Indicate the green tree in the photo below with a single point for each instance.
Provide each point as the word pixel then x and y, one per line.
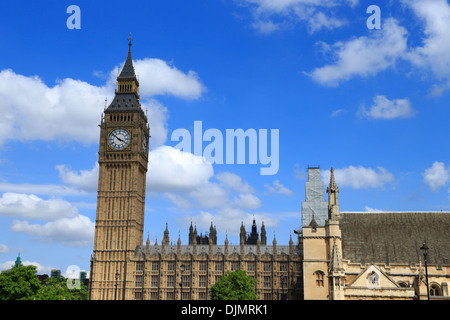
pixel 57 289
pixel 19 283
pixel 235 285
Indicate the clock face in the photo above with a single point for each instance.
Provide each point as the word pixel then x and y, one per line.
pixel 119 139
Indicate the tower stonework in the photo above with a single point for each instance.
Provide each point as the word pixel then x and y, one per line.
pixel 122 159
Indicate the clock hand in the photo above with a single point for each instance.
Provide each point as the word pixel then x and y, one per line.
pixel 118 138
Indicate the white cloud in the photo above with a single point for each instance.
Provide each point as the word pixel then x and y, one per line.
pixel 337 112
pixel 364 56
pixel 433 54
pixel 171 169
pixel 32 110
pixel 247 201
pixel 437 176
pixel 234 181
pixel 372 210
pixel 272 15
pixel 359 177
pixel 320 21
pixel 86 180
pixel 383 108
pixel 63 222
pixel 75 231
pixel 32 207
pixel 157 119
pixel 41 189
pixel 279 188
pixel 156 77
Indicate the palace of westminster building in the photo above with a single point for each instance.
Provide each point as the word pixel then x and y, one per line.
pixel 334 256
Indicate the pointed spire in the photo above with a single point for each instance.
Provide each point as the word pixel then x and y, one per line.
pixel 336 260
pixel 128 69
pixel 332 186
pixel 333 190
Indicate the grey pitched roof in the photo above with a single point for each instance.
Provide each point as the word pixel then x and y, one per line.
pixel 124 102
pixel 395 237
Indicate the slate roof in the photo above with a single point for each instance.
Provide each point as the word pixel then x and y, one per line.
pixel 395 237
pixel 124 102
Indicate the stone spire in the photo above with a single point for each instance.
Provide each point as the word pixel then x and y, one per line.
pixel 333 205
pixel 263 234
pixel 336 265
pixel 336 273
pixel 242 234
pixel 165 239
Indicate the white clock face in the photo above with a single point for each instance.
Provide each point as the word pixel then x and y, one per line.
pixel 119 139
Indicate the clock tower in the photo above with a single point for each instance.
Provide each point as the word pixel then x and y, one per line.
pixel 122 159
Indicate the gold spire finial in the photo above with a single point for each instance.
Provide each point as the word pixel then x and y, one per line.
pixel 129 39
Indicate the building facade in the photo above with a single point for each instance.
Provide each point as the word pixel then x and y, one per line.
pixel 335 256
pixel 373 255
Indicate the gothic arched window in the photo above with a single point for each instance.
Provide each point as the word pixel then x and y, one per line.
pixel 435 290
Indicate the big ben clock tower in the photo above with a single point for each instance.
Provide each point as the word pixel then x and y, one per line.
pixel 123 159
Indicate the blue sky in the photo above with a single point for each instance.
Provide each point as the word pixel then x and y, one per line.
pixel 371 103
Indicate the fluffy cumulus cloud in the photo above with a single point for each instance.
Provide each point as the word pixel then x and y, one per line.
pixel 61 220
pixel 172 169
pixel 75 231
pixel 359 177
pixel 85 180
pixel 380 50
pixel 438 175
pixel 433 53
pixel 32 110
pixel 157 77
pixel 383 108
pixel 27 206
pixel 365 55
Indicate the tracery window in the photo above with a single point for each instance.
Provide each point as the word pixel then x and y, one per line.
pixel 434 290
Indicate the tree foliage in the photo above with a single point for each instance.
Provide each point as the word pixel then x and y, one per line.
pixel 21 283
pixel 236 285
